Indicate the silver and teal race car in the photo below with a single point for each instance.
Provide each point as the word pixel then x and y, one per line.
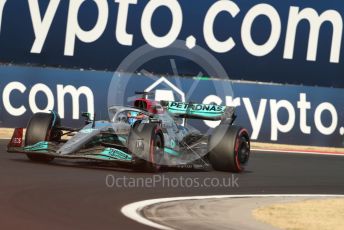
pixel 148 136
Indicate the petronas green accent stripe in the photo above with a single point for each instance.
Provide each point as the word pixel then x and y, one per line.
pixel 43 145
pixel 171 152
pixel 195 111
pixel 207 114
pixel 101 157
pixel 204 78
pixel 116 153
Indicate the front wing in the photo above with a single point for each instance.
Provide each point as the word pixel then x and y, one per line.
pixel 98 153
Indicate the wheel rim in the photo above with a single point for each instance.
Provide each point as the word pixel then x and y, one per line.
pixel 243 151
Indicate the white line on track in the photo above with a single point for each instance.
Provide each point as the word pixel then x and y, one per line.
pixel 134 210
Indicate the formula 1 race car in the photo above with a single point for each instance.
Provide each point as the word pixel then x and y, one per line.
pixel 147 136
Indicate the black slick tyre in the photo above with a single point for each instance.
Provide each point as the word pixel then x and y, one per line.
pixel 146 144
pixel 41 127
pixel 229 148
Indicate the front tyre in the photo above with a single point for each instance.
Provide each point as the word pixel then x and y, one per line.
pixel 229 148
pixel 146 143
pixel 41 127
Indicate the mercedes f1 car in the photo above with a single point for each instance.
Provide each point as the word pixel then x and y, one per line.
pixel 147 135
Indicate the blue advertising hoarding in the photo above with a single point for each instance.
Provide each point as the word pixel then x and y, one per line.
pixel 272 113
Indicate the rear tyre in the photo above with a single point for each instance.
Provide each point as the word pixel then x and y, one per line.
pixel 229 148
pixel 41 127
pixel 146 144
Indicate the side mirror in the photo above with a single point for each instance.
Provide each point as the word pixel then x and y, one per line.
pixel 87 117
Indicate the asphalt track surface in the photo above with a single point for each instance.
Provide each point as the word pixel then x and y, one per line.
pixel 65 195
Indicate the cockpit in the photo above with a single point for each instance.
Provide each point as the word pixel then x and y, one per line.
pixel 130 116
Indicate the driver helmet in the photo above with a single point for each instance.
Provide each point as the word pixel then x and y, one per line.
pixel 134 116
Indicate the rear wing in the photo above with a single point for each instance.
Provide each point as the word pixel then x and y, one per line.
pixel 211 112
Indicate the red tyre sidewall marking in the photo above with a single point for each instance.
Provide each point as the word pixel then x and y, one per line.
pixel 237 144
pixel 151 151
pixel 47 138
